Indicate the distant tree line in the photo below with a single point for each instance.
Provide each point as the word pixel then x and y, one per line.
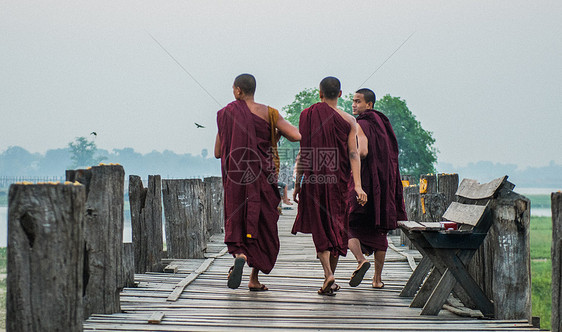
pixel 17 161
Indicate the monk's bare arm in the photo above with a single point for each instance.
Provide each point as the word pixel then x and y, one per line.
pixel 355 161
pixel 288 130
pixel 218 147
pixel 298 178
pixel 363 142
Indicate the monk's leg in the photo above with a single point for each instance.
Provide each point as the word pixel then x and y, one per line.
pixel 334 263
pixel 324 257
pixel 254 281
pixel 379 263
pixel 355 247
pixel 362 263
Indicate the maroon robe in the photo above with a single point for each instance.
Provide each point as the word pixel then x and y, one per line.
pixel 325 163
pixel 250 186
pixel 380 179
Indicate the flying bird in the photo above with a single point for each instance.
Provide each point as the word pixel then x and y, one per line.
pixel 198 125
pixel 94 133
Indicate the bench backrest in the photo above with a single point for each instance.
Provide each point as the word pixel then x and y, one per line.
pixel 471 206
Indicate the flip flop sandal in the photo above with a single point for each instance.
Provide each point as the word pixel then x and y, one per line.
pixel 235 273
pixel 335 287
pixel 262 288
pixel 358 274
pixel 328 292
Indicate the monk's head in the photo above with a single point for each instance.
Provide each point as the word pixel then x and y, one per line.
pixel 364 99
pixel 244 86
pixel 330 88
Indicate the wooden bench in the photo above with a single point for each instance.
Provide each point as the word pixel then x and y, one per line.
pixel 447 252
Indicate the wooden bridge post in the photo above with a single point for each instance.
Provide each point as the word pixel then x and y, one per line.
pixel 103 232
pixel 128 265
pixel 413 210
pixel 146 222
pixel 556 251
pixel 214 203
pixel 431 201
pixel 502 265
pixel 185 211
pixel 45 257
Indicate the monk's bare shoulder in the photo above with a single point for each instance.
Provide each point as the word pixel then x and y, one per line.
pixel 348 117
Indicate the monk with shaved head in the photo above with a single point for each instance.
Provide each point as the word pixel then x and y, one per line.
pixel 380 178
pixel 246 143
pixel 328 156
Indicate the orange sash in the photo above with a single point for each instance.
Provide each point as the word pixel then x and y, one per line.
pixel 273 117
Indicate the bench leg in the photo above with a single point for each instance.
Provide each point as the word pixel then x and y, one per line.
pixel 439 295
pixel 461 274
pixel 417 278
pixel 426 289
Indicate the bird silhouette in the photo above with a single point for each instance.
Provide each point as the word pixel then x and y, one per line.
pixel 198 125
pixel 94 133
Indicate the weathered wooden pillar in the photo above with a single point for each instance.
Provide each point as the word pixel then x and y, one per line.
pixel 146 222
pixel 128 265
pixel 185 211
pixel 431 201
pixel 556 251
pixel 103 232
pixel 412 203
pixel 502 265
pixel 45 257
pixel 447 185
pixel 407 180
pixel 215 205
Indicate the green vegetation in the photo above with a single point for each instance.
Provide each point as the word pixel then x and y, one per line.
pixel 541 268
pixel 3 269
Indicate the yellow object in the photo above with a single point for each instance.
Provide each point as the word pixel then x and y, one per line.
pixel 405 183
pixel 423 204
pixel 423 186
pixel 249 236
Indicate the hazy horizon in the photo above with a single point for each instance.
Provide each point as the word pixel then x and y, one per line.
pixel 484 77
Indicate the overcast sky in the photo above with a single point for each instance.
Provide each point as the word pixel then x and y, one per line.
pixel 484 76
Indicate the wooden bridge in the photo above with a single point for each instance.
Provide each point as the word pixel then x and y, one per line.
pixel 204 303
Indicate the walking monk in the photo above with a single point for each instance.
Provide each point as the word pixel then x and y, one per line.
pixel 380 178
pixel 327 156
pixel 245 143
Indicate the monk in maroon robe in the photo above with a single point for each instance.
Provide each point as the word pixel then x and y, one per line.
pixel 380 178
pixel 244 144
pixel 327 156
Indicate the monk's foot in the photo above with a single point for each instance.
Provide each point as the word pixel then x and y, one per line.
pixel 328 282
pixel 359 273
pixel 378 285
pixel 287 202
pixel 257 287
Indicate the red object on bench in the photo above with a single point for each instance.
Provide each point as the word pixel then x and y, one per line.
pixel 449 225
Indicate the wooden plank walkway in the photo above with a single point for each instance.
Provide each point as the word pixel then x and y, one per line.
pixel 206 304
